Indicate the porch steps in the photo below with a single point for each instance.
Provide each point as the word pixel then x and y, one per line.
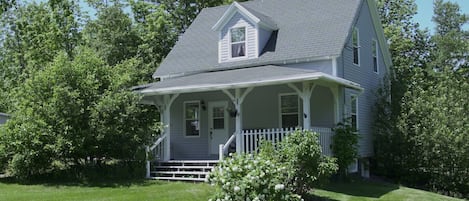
pixel 182 170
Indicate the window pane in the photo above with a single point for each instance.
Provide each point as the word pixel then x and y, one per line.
pixel 374 46
pixel 238 34
pixel 355 55
pixel 375 64
pixel 355 37
pixel 238 50
pixel 289 121
pixel 192 127
pixel 218 123
pixel 218 112
pixel 354 121
pixel 192 110
pixel 289 104
pixel 354 105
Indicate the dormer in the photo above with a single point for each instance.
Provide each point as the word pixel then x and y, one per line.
pixel 243 33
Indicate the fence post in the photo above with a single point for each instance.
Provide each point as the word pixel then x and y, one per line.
pixel 220 152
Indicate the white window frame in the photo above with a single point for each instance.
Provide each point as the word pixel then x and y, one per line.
pixel 374 55
pixel 356 46
pixel 280 108
pixel 184 119
pixel 231 43
pixel 354 97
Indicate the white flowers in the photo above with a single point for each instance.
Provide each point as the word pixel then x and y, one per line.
pixel 279 187
pixel 236 189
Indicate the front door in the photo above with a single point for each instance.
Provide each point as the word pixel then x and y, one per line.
pixel 218 125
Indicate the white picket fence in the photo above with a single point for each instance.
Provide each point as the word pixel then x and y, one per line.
pixel 250 139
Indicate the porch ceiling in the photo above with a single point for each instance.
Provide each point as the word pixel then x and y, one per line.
pixel 239 78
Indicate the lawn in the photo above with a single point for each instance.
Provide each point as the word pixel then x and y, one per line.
pixel 373 191
pixel 168 191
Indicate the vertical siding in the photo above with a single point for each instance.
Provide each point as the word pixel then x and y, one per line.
pixel 251 38
pixel 364 76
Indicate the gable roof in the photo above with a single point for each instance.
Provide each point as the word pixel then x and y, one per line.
pixel 323 35
pixel 252 15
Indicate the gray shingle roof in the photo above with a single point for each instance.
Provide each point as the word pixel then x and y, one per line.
pixel 236 78
pixel 306 29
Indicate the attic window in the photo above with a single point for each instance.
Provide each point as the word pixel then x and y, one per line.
pixel 238 42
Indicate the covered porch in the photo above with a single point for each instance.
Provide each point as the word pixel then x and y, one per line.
pixel 209 115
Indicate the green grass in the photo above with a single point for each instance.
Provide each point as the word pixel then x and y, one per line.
pixel 370 191
pixel 120 191
pixel 167 191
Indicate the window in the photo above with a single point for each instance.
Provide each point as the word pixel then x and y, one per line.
pixel 353 111
pixel 356 46
pixel 191 118
pixel 238 42
pixel 289 111
pixel 375 56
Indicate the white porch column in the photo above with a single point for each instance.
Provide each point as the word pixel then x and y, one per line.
pixel 237 100
pixel 305 95
pixel 165 117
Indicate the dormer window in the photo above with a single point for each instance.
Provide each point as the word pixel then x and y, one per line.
pixel 238 42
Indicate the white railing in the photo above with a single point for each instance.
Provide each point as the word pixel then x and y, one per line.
pixel 157 151
pixel 222 149
pixel 251 139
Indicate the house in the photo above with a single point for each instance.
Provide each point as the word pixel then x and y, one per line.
pixel 253 70
pixel 3 118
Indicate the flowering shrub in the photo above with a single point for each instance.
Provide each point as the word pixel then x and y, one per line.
pixel 251 177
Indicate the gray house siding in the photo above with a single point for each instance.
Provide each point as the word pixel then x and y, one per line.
pixel 260 111
pixel 324 66
pixel 364 75
pixel 251 37
pixel 3 118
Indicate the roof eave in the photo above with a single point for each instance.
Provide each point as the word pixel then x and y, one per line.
pixel 235 6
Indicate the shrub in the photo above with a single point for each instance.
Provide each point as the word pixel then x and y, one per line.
pixel 344 146
pixel 307 167
pixel 274 174
pixel 251 177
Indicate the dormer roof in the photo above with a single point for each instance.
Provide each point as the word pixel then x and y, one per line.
pixel 254 16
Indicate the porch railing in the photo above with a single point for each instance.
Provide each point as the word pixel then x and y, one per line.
pixel 156 150
pixel 222 149
pixel 250 139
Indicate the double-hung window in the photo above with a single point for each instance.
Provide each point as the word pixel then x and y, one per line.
pixel 375 55
pixel 356 46
pixel 354 112
pixel 238 42
pixel 289 110
pixel 192 118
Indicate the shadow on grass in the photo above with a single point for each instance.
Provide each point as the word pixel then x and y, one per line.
pixel 361 188
pixel 101 183
pixel 312 197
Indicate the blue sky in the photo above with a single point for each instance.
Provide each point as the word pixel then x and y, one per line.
pixel 425 13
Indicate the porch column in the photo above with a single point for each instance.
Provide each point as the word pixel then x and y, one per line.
pixel 305 95
pixel 237 100
pixel 335 93
pixel 165 117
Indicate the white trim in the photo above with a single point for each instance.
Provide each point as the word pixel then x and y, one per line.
pixel 334 66
pixel 358 46
pixel 380 34
pixel 184 119
pixel 236 7
pixel 230 43
pixel 5 115
pixel 375 43
pixel 247 84
pixel 280 107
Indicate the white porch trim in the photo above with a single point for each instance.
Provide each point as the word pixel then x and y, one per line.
pixel 305 95
pixel 164 106
pixel 238 99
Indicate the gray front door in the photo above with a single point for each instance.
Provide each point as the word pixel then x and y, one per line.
pixel 218 125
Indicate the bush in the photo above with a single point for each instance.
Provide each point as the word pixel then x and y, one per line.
pixel 274 174
pixel 301 153
pixel 344 146
pixel 251 177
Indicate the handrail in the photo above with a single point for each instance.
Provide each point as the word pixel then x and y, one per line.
pixel 230 140
pixel 158 142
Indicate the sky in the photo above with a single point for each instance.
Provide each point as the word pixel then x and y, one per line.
pixel 425 13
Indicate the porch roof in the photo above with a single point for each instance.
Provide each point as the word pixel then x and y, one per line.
pixel 239 78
